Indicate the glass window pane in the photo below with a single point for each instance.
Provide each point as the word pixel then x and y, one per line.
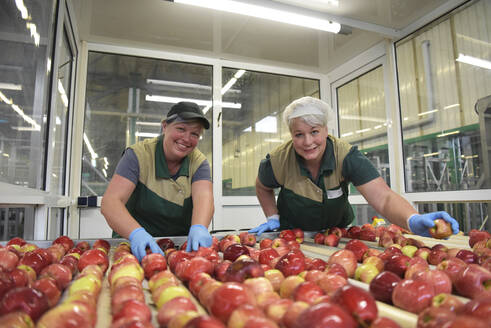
pixel 127 98
pixel 16 222
pixel 252 104
pixel 444 89
pixel 362 119
pixel 26 28
pixel 60 128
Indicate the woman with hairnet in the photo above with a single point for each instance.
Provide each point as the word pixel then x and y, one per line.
pixel 313 171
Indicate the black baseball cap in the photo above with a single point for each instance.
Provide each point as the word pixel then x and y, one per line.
pixel 186 110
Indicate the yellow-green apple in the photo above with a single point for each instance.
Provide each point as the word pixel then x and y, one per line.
pixel 173 307
pixel 376 261
pixel 409 250
pixel 67 315
pixel 275 277
pixel 258 285
pixel 365 272
pixel 130 269
pixel 422 252
pixel 170 293
pixel 277 309
pixel 89 283
pixel 266 298
pixel 161 278
pixel 289 284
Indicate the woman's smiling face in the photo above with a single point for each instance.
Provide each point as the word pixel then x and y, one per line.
pixel 180 138
pixel 309 141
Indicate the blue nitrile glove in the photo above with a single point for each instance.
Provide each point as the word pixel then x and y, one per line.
pixel 198 236
pixel 420 223
pixel 272 223
pixel 140 239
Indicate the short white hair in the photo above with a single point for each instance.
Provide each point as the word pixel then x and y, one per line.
pixel 311 110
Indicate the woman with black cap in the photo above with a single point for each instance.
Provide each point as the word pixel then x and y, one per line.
pixel 162 186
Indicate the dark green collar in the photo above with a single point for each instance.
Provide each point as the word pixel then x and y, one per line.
pixel 161 168
pixel 328 163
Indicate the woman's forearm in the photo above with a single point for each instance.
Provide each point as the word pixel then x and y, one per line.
pixel 266 199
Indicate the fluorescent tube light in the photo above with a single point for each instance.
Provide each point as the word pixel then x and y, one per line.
pixel 347 134
pixel 148 123
pixel 242 8
pixel 10 86
pixel 448 134
pixel 428 112
pixel 93 154
pixel 432 154
pixel 146 134
pixel 199 102
pixel 474 61
pixel 451 106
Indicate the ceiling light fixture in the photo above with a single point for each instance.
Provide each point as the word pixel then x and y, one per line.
pixel 199 102
pixel 10 86
pixel 259 11
pixel 474 61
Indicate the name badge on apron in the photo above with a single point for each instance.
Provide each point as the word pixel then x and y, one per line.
pixel 334 193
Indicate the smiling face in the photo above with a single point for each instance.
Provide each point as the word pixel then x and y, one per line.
pixel 309 141
pixel 180 138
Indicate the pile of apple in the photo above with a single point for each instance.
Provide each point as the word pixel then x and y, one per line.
pixel 401 274
pixel 273 286
pixel 32 279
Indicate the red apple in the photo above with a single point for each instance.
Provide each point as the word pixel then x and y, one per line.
pixel 336 268
pixel 368 235
pixel 176 257
pixel 234 251
pixel 413 295
pixel 353 232
pixel 65 241
pixel 467 256
pixel 242 269
pixel 358 302
pixel 26 299
pixel 220 269
pixel 291 264
pixel 397 263
pixel 325 315
pixel 438 279
pixel 434 317
pixel 478 307
pixel 316 264
pixel 357 247
pixel 330 240
pixel 56 251
pixel 124 294
pixel 267 254
pixel 279 242
pixel 466 321
pixel 16 241
pixel 30 273
pixel 346 258
pixel 198 281
pixel 383 322
pixel 34 260
pixel 68 314
pixel 330 283
pixel 414 269
pixel 165 243
pixel 265 243
pixel 247 238
pixel 447 301
pixel 206 292
pixel 319 238
pixel 477 235
pixel 287 235
pixel 70 262
pixel 242 313
pixel 452 267
pixel 8 259
pixel 153 263
pixel 6 283
pixel 473 280
pixel 83 245
pixel 209 253
pixel 299 235
pixel 101 243
pixel 204 321
pixel 292 313
pixel 19 278
pixel 93 256
pixel 60 273
pixel 386 239
pixel 228 297
pixel 49 288
pixel 308 292
pixel 442 229
pixel 382 285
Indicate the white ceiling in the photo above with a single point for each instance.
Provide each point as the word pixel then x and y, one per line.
pixel 160 24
